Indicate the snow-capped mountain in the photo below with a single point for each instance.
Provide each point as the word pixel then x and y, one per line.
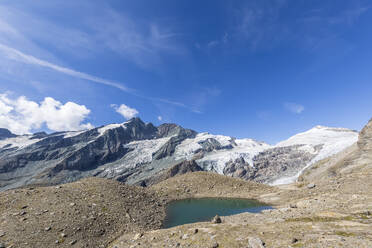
pixel 135 152
pixel 329 140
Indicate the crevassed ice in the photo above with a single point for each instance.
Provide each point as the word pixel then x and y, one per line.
pixel 216 160
pixel 19 141
pixel 189 146
pixel 245 148
pixel 141 153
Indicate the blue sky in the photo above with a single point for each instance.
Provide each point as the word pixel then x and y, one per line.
pixel 259 69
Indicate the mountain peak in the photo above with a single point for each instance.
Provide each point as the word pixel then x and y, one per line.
pixel 135 120
pixel 5 133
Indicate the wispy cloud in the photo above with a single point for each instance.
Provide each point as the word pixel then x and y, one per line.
pixel 349 16
pixel 294 107
pixel 140 42
pixel 145 44
pixel 19 56
pixel 258 24
pixel 202 97
pixel 263 24
pixel 213 43
pixel 218 42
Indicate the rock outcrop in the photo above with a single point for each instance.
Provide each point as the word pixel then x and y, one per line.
pixel 5 134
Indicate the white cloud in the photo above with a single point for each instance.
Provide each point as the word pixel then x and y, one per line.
pixel 294 107
pixel 126 111
pixel 21 115
pixel 160 118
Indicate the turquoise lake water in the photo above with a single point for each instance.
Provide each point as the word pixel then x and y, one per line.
pixel 204 209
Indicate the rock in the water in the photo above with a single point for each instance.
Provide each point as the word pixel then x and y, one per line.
pixel 311 186
pixel 255 242
pixel 216 219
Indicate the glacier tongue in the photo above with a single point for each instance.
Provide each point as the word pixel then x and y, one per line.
pixel 332 140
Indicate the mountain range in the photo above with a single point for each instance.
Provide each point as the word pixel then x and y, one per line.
pixel 140 153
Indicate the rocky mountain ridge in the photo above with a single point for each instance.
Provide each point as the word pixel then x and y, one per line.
pixel 135 152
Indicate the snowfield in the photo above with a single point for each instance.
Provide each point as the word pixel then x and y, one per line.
pixel 18 142
pixel 333 140
pixel 103 129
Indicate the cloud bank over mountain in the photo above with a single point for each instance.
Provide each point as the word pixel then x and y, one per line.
pixel 21 115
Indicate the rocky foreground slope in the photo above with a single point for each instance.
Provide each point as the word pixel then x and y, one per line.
pixel 94 212
pixel 139 153
pixel 88 213
pixel 330 207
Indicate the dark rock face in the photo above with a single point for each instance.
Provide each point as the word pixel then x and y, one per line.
pixel 59 158
pixel 167 130
pixel 106 148
pixel 183 168
pixel 212 144
pixel 5 134
pixel 178 169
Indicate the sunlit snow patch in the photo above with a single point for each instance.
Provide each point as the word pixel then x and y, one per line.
pixel 333 140
pixel 19 142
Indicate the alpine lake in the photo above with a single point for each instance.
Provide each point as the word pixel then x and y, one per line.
pixel 204 209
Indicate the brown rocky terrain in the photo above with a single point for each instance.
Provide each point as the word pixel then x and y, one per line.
pixel 88 213
pixel 94 212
